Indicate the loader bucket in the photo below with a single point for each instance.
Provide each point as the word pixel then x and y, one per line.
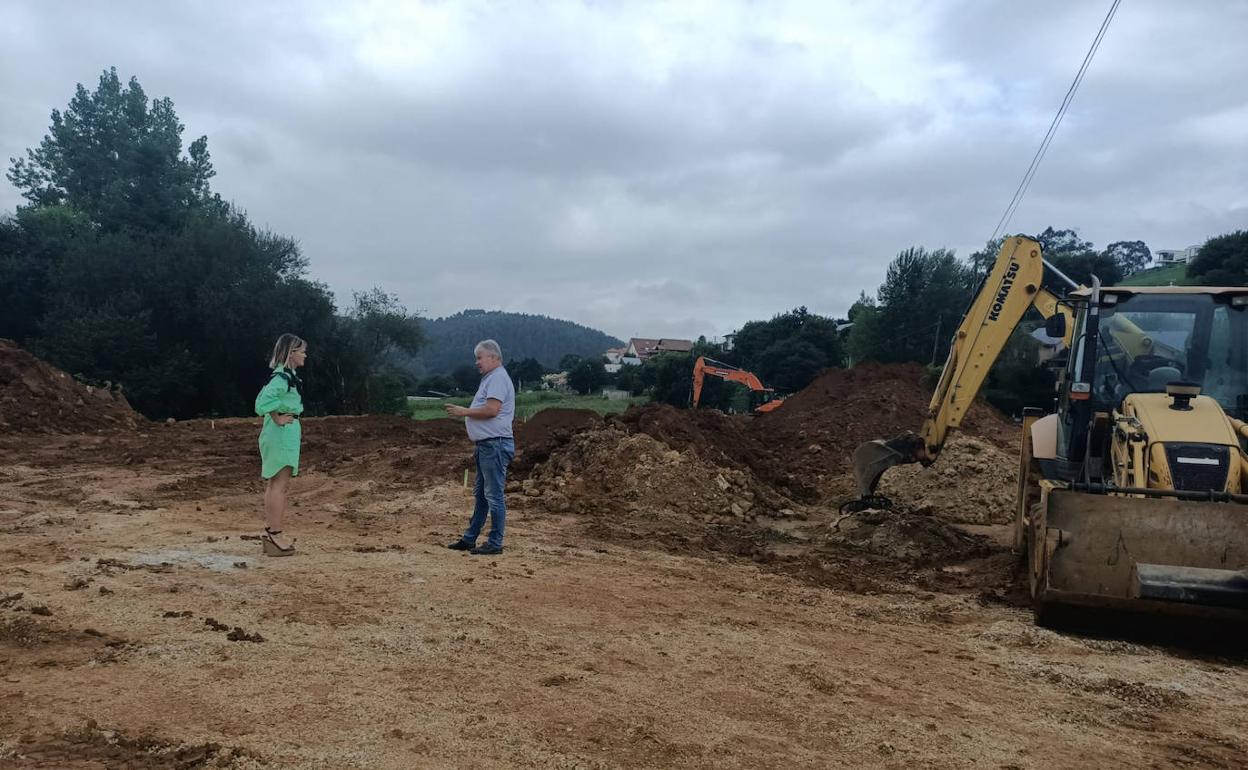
pixel 1151 555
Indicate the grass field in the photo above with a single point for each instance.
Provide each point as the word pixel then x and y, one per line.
pixel 1160 276
pixel 529 404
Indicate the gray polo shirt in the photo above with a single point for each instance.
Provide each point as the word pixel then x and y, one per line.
pixel 497 385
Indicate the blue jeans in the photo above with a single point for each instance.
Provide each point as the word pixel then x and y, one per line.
pixel 492 457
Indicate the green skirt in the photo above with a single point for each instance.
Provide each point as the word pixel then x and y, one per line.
pixel 279 447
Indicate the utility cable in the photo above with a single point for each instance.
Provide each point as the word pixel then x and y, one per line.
pixel 1030 174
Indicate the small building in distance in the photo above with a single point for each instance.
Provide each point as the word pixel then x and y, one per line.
pixel 1168 257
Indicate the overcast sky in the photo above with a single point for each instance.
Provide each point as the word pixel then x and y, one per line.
pixel 666 169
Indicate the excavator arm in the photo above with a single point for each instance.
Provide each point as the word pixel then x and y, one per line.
pixel 704 366
pixel 1014 285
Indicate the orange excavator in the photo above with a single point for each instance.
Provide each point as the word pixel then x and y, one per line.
pixel 708 366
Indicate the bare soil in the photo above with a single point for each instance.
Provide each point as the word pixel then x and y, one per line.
pixel 669 597
pixel 38 398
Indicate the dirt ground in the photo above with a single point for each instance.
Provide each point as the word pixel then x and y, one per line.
pixel 678 590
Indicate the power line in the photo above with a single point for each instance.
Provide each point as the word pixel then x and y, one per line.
pixel 1030 174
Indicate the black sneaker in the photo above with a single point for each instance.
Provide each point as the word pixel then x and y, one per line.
pixel 462 545
pixel 487 550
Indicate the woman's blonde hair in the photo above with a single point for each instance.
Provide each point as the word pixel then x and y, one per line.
pixel 286 344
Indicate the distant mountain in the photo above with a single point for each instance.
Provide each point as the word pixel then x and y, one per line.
pixel 520 335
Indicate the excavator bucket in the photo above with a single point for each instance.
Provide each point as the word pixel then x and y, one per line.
pixel 872 459
pixel 1155 555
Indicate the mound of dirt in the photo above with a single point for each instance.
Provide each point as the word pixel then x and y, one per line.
pixel 611 472
pixel 972 482
pixel 816 431
pixel 545 432
pixel 731 441
pixel 36 397
pixel 905 537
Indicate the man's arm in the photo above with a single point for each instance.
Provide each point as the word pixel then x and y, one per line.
pixel 491 408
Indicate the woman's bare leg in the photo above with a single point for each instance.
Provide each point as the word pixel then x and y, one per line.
pixel 275 505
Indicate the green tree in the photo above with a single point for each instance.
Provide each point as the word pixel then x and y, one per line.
pixel 438 383
pixel 359 376
pixel 124 266
pixel 526 373
pixel 630 378
pixel 917 309
pixel 587 376
pixel 792 364
pixel 671 375
pixel 569 362
pixel 982 261
pixel 769 348
pixel 117 157
pixel 1078 259
pixel 466 378
pixel 1130 256
pixel 1222 260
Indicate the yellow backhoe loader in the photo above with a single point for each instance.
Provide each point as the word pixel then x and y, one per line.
pixel 1131 495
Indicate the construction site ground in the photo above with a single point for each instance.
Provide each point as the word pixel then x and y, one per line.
pixel 678 590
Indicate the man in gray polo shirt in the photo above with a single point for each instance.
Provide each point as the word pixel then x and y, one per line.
pixel 488 420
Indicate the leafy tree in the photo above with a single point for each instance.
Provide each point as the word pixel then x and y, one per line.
pixel 124 266
pixel 1130 256
pixel 569 362
pixel 982 261
pixel 359 378
pixel 33 243
pixel 671 375
pixel 439 383
pixel 587 376
pixel 767 348
pixel 630 378
pixel 466 378
pixel 526 372
pixel 792 364
pixel 918 306
pixel 1222 260
pixel 862 304
pixel 117 157
pixel 1077 258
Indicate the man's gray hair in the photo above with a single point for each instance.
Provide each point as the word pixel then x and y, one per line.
pixel 490 348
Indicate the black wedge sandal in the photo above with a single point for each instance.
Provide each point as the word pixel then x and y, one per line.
pixel 271 548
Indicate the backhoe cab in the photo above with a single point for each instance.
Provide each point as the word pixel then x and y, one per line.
pixel 1131 494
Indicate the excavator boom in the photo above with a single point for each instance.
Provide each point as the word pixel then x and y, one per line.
pixel 1014 285
pixel 709 366
pixel 1130 496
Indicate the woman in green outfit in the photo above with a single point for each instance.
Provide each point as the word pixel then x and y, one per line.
pixel 281 403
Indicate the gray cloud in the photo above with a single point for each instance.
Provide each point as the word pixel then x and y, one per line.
pixel 664 169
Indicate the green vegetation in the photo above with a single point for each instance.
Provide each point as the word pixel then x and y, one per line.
pixel 1160 276
pixel 125 266
pixel 787 352
pixel 1222 261
pixel 520 335
pixel 529 404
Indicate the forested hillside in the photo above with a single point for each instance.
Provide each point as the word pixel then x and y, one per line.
pixel 451 339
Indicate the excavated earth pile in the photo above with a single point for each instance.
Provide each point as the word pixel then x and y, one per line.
pixel 766 487
pixel 544 432
pixel 609 472
pixel 36 397
pixel 816 431
pixel 972 482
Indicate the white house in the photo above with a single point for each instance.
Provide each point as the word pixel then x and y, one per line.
pixel 1167 257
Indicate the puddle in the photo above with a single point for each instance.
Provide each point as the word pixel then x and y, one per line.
pixel 220 562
